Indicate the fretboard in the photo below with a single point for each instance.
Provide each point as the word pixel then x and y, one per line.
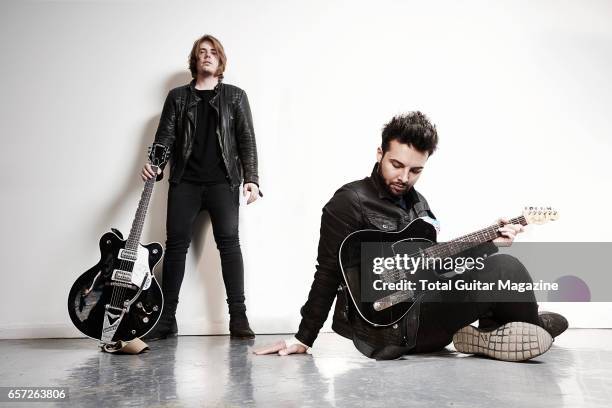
pixel 138 223
pixel 468 241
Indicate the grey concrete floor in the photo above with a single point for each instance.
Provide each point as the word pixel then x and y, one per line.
pixel 196 371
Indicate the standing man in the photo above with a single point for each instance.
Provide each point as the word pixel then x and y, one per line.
pixel 208 127
pixel 388 201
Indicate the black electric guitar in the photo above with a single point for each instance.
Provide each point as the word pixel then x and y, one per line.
pixel 372 291
pixel 119 298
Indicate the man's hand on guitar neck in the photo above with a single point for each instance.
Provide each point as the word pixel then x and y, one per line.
pixel 508 232
pixel 148 173
pixel 283 348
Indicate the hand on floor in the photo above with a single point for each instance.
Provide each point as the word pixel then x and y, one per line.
pixel 282 348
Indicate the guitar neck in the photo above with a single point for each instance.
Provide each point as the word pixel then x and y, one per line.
pixel 468 241
pixel 138 223
pixel 531 215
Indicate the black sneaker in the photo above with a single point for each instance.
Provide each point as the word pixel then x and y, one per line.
pixel 514 341
pixel 554 323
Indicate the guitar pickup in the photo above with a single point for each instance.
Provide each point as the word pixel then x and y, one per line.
pixel 394 299
pixel 127 255
pixel 122 276
pixel 382 305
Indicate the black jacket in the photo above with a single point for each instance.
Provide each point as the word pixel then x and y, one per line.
pixel 235 132
pixel 358 205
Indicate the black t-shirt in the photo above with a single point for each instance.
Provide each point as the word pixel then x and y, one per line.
pixel 205 165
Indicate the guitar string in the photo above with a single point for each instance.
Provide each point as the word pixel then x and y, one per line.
pixel 118 291
pixel 483 233
pixel 443 247
pixel 453 244
pixel 124 265
pixel 487 234
pixel 135 232
pixel 117 295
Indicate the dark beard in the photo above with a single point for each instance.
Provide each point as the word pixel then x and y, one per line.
pixel 387 188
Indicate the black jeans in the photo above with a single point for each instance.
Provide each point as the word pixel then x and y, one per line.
pixel 439 320
pixel 185 202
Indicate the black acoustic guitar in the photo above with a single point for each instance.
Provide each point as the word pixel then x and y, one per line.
pixel 119 298
pixel 383 295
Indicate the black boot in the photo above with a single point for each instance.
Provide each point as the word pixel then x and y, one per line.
pixel 165 327
pixel 239 326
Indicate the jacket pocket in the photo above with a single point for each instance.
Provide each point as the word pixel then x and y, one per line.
pixel 380 222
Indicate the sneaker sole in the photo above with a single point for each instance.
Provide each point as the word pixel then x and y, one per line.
pixel 514 341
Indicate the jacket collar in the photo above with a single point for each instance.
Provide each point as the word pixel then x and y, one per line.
pixel 410 196
pixel 194 96
pixel 217 87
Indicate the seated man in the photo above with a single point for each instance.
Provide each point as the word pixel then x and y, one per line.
pixel 388 201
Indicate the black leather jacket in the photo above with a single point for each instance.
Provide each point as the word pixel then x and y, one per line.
pixel 234 131
pixel 358 205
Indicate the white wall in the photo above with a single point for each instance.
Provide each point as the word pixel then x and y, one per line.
pixel 520 92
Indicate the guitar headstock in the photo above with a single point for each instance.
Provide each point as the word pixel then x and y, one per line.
pixel 540 215
pixel 158 154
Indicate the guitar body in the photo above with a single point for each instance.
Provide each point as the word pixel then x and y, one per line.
pixel 134 307
pixel 416 236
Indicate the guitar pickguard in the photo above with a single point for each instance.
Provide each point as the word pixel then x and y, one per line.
pixel 140 268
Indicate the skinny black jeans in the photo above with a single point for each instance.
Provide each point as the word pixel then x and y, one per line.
pixel 185 201
pixel 440 319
